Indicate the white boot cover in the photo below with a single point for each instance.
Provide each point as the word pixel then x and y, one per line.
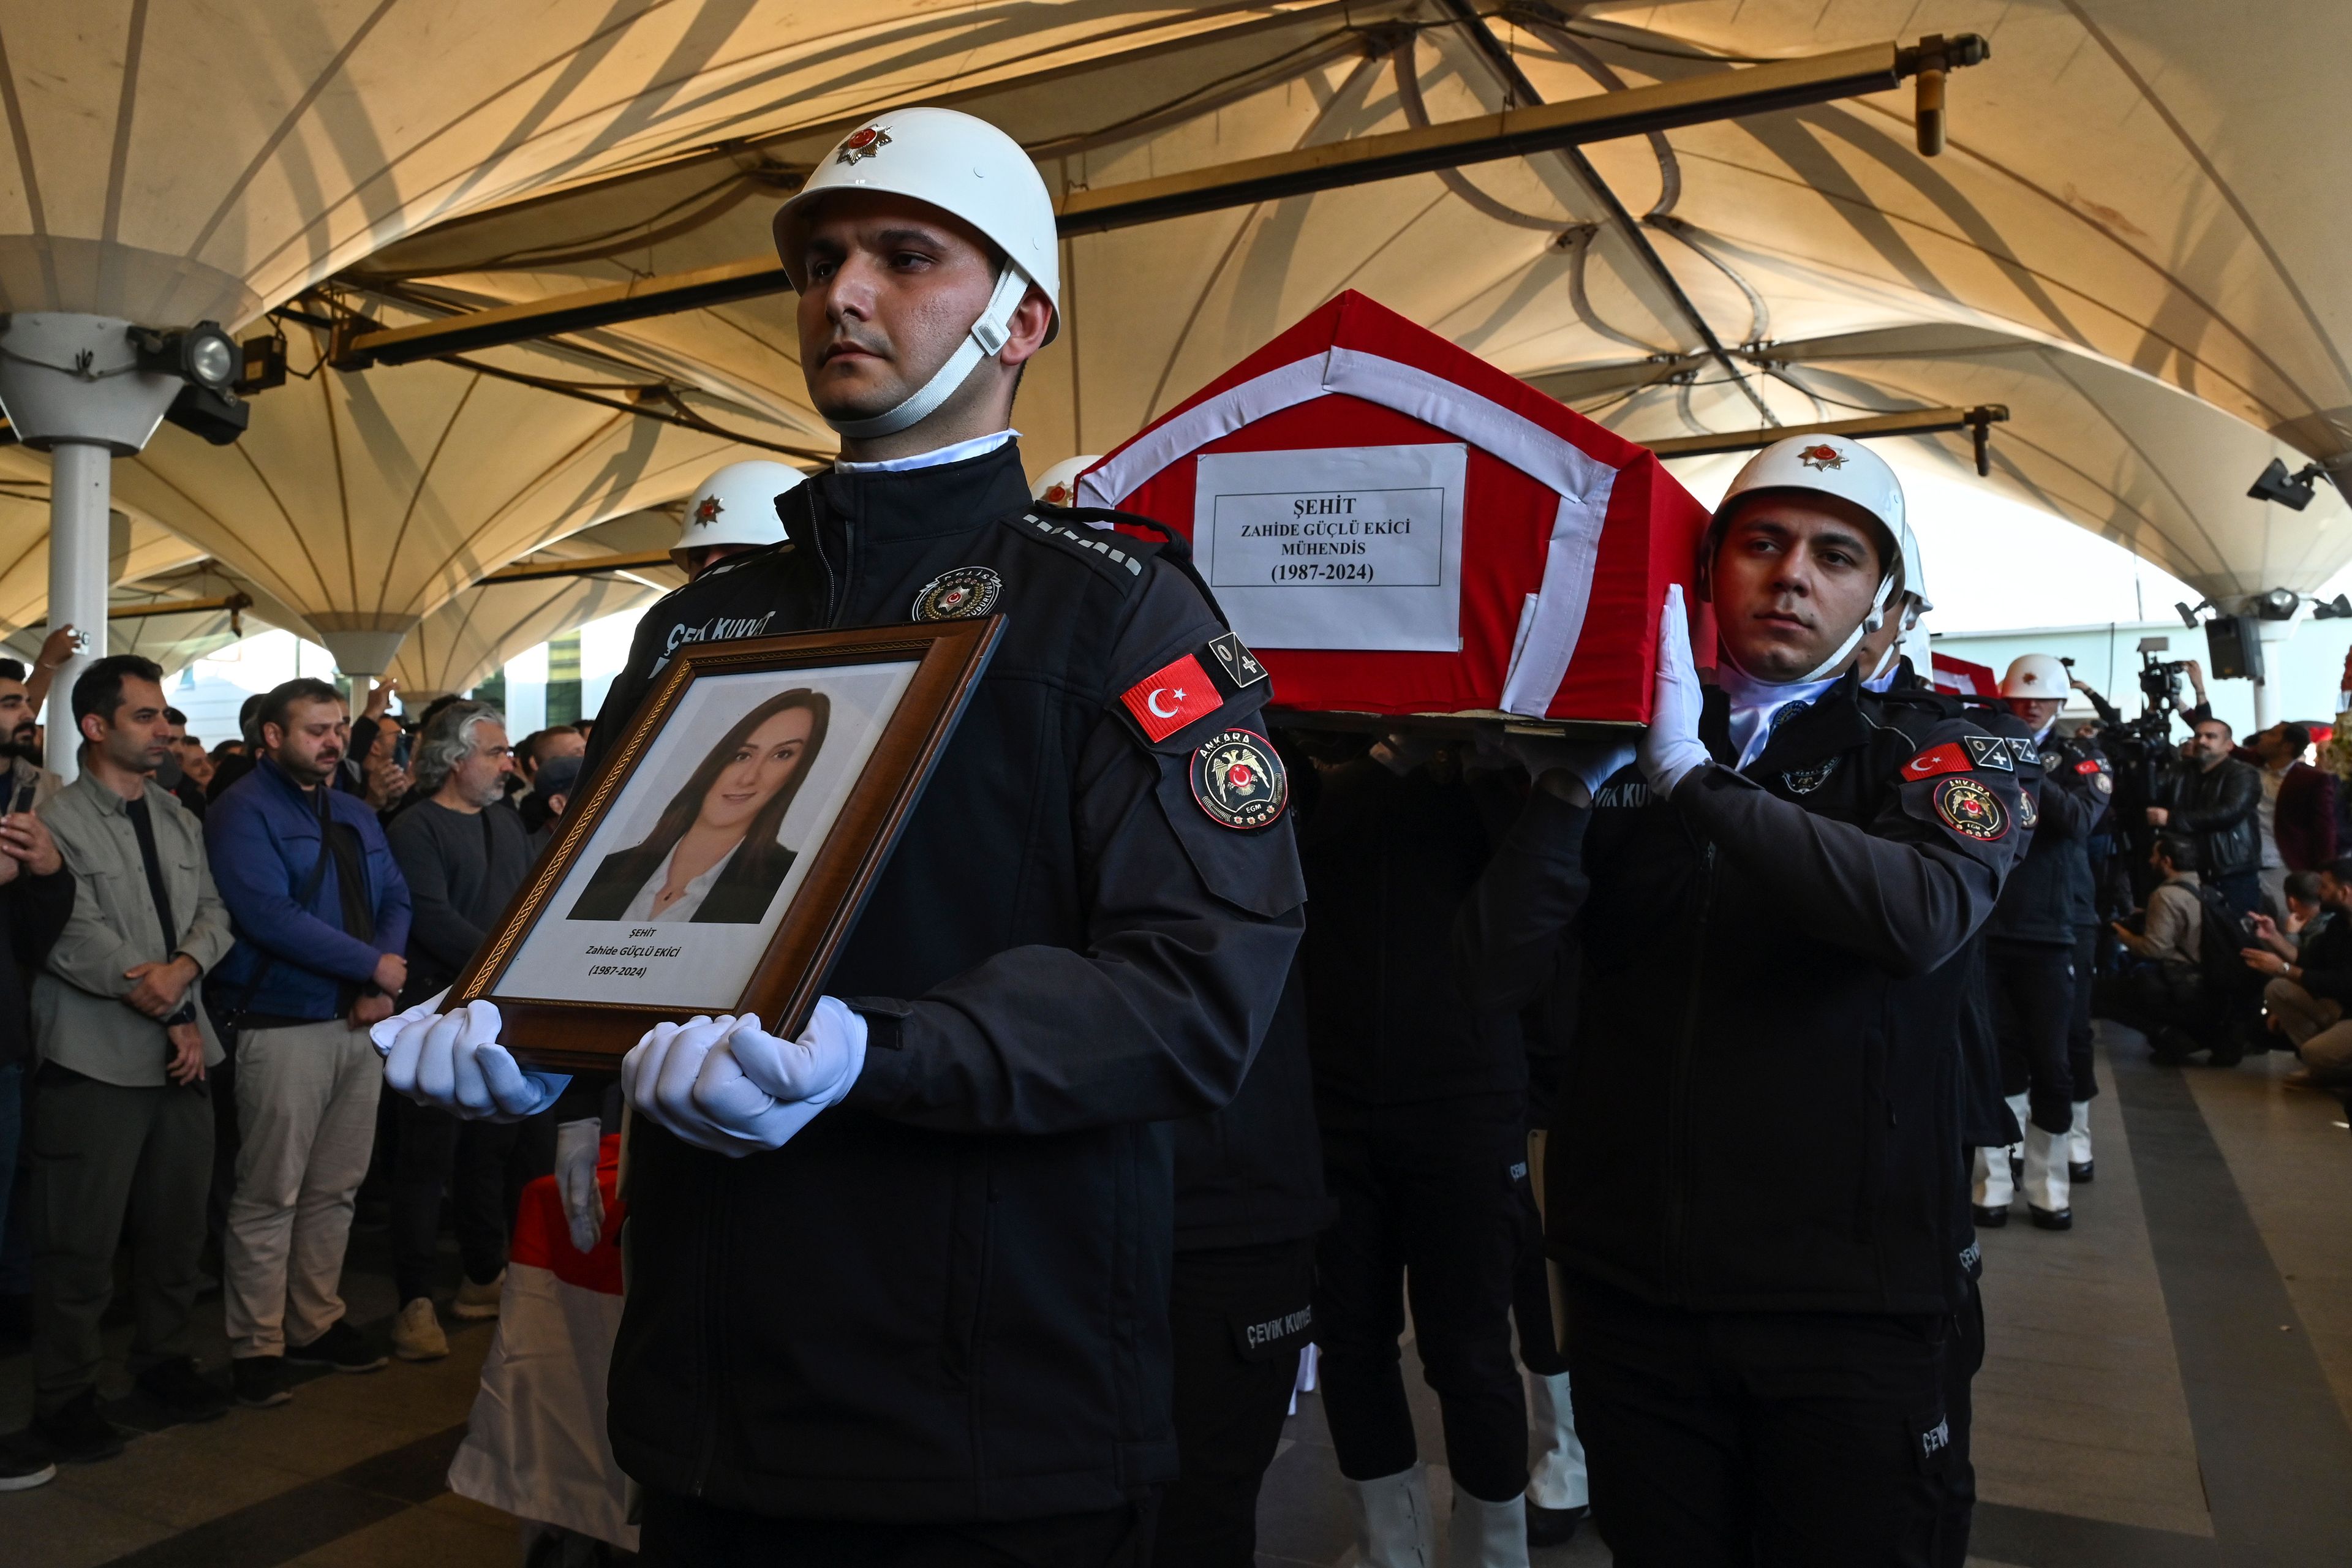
pixel 1394 1526
pixel 1558 1477
pixel 1484 1534
pixel 1993 1189
pixel 2046 1184
pixel 2078 1137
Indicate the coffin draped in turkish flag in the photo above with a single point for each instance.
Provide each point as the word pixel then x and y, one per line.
pixel 1398 528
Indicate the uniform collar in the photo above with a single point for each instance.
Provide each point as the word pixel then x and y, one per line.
pixel 979 445
pixel 879 506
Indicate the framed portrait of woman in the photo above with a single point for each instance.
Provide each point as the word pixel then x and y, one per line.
pixel 718 860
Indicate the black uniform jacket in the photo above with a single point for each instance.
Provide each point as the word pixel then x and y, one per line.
pixel 1389 859
pixel 946 1298
pixel 1759 1109
pixel 2046 894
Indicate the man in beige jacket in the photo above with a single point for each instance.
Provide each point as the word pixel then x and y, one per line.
pixel 122 1126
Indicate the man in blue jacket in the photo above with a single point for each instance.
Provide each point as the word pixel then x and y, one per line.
pixel 322 919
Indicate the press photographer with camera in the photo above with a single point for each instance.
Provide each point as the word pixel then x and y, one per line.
pixel 2218 800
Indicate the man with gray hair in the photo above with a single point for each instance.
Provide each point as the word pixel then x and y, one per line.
pixel 464 852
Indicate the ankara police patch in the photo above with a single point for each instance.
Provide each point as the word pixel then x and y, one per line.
pixel 1967 807
pixel 1990 752
pixel 965 594
pixel 1239 780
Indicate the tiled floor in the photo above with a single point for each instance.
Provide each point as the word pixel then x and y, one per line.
pixel 2170 1382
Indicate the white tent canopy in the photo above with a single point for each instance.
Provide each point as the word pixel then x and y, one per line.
pixel 2125 183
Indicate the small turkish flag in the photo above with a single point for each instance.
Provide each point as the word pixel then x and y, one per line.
pixel 1948 758
pixel 1170 698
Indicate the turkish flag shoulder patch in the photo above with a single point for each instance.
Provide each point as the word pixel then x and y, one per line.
pixel 1173 697
pixel 1936 760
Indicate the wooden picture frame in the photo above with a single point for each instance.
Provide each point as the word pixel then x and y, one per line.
pixel 560 1007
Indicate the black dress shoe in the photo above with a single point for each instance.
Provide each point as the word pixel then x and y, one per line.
pixel 260 1380
pixel 2043 1219
pixel 2078 1173
pixel 1553 1526
pixel 1990 1218
pixel 186 1394
pixel 341 1347
pixel 76 1433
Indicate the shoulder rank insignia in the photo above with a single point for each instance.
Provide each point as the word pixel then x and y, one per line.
pixel 1239 781
pixel 1970 809
pixel 1990 752
pixel 1240 665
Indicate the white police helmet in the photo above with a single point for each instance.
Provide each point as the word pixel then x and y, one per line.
pixel 737 505
pixel 2036 676
pixel 1058 486
pixel 963 166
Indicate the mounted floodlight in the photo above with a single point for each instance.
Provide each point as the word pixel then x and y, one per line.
pixel 2338 608
pixel 2188 615
pixel 2278 605
pixel 218 415
pixel 203 355
pixel 2292 491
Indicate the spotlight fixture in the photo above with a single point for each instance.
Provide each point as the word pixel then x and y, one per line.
pixel 2278 605
pixel 219 416
pixel 2292 491
pixel 2338 608
pixel 2188 615
pixel 203 355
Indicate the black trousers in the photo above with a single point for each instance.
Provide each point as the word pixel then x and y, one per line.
pixel 2033 986
pixel 1964 1353
pixel 686 1532
pixel 1761 1440
pixel 470 1159
pixel 2081 1082
pixel 1431 1208
pixel 1238 1316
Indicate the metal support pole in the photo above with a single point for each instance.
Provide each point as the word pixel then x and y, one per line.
pixel 80 486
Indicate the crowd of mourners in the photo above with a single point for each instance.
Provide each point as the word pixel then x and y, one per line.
pixel 2221 892
pixel 200 938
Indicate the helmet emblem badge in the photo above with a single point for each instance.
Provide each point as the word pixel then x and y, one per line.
pixel 1823 456
pixel 863 145
pixel 707 511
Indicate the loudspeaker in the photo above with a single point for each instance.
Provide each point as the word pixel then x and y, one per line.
pixel 2233 650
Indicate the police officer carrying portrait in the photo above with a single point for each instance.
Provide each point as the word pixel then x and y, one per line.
pixel 1756 1188
pixel 898 1287
pixel 2030 951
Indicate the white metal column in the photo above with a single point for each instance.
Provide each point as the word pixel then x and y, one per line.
pixel 79 491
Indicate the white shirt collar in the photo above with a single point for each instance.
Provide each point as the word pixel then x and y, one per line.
pixel 1758 707
pixel 931 459
pixel 689 903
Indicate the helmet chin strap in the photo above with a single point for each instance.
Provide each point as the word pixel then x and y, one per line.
pixel 1869 623
pixel 986 337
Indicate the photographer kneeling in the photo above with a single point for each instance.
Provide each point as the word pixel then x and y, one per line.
pixel 2190 993
pixel 2310 987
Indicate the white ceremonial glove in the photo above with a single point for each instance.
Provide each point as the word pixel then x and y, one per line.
pixel 727 1085
pixel 577 1146
pixel 454 1062
pixel 1671 750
